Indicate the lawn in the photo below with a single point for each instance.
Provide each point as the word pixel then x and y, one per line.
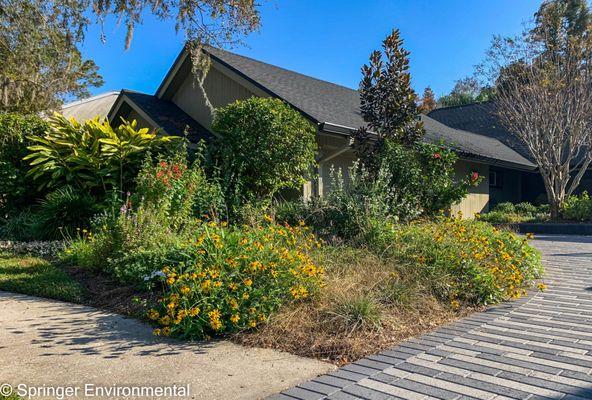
pixel 38 277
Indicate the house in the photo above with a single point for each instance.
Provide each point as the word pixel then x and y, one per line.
pixel 505 184
pixel 178 106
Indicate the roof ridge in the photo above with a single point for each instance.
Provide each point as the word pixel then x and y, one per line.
pixel 476 103
pixel 91 98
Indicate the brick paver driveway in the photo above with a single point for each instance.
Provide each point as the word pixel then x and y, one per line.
pixel 539 347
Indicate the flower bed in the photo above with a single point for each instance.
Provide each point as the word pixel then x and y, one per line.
pixel 233 279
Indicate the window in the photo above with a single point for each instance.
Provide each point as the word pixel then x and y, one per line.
pixel 496 179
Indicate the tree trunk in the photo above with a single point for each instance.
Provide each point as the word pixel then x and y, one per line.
pixel 555 208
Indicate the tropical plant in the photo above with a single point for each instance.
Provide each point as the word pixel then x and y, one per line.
pixel 92 156
pixel 16 189
pixel 262 146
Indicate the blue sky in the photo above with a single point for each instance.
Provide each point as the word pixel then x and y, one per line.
pixel 328 39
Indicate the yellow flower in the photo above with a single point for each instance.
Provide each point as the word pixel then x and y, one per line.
pixel 166 331
pixel 235 318
pixel 248 282
pixel 194 311
pixel 541 286
pixel 530 236
pixel 233 304
pixel 153 314
pixel 233 286
pixel 214 316
pixel 299 292
pixel 156 332
pixel 455 304
pixel 185 289
pixel 252 323
pixel 170 280
pixel 245 296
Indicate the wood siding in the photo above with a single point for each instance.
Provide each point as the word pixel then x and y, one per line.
pixel 221 90
pixel 477 201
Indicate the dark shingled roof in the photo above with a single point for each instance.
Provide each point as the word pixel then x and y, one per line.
pixel 479 118
pixel 321 100
pixel 168 116
pixel 472 145
pixel 326 102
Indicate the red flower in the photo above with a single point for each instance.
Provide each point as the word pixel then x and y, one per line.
pixel 474 176
pixel 163 164
pixel 437 156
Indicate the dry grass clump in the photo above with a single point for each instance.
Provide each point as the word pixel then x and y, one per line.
pixel 366 306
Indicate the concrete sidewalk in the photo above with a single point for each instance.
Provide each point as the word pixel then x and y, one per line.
pixel 46 342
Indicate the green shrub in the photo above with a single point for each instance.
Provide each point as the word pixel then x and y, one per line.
pixel 18 226
pixel 505 207
pixel 348 212
pixel 132 241
pixel 509 213
pixel 233 278
pixel 423 179
pixel 92 156
pixel 16 190
pixel 526 208
pixel 578 208
pixel 63 214
pixel 262 146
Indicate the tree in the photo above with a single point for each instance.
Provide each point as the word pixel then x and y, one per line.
pixel 387 102
pixel 544 93
pixel 420 176
pixel 466 91
pixel 262 146
pixel 428 101
pixel 16 190
pixel 40 65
